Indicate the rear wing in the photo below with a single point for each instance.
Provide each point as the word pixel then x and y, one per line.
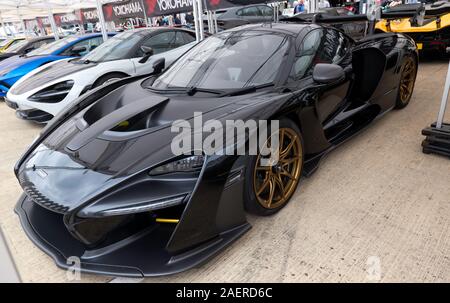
pixel 321 18
pixel 324 18
pixel 438 8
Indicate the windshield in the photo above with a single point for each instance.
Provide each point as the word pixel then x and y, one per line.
pixel 114 48
pixel 16 47
pixel 229 60
pixel 4 42
pixel 49 48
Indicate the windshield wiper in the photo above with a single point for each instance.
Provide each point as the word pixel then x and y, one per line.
pixel 193 90
pixel 221 93
pixel 245 90
pixel 189 91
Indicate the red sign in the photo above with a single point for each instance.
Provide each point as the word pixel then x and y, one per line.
pixel 66 19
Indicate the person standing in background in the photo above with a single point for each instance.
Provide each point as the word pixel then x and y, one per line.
pixel 324 4
pixel 189 18
pixel 176 20
pixel 299 7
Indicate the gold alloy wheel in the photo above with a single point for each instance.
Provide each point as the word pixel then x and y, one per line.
pixel 407 79
pixel 274 185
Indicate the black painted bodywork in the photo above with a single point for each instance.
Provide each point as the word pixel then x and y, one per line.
pixel 27 47
pixel 80 166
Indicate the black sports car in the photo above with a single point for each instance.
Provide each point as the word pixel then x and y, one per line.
pixel 102 183
pixel 25 46
pixel 241 15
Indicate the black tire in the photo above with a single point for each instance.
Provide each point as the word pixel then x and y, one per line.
pixel 403 98
pixel 108 77
pixel 251 202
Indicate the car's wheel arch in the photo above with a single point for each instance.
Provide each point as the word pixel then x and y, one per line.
pixel 108 74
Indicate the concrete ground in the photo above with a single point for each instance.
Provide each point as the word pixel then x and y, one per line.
pixel 376 210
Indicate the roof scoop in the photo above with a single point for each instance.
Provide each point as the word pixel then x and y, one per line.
pixel 103 117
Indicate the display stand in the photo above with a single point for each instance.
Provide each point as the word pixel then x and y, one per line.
pixel 438 134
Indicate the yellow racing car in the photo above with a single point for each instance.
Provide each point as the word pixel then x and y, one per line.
pixel 430 31
pixel 5 44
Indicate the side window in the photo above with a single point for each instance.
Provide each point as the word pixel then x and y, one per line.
pixel 38 44
pixel 249 12
pixel 183 38
pixel 160 43
pixel 306 56
pixel 319 46
pixel 89 44
pixel 266 11
pixel 335 45
pixel 15 42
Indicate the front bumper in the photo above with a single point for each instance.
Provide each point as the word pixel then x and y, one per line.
pixel 143 254
pixel 11 104
pixel 35 115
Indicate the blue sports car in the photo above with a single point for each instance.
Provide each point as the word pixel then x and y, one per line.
pixel 12 69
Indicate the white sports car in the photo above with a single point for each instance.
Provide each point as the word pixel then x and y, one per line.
pixel 48 90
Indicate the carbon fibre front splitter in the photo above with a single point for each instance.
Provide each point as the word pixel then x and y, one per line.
pixel 141 255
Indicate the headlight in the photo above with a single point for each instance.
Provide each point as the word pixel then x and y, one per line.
pixel 54 93
pixel 188 164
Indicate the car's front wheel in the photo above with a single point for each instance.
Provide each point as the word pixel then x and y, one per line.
pixel 270 187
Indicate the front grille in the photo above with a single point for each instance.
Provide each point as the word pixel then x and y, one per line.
pixel 39 198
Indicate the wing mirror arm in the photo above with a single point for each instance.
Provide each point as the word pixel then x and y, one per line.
pixel 148 52
pixel 158 66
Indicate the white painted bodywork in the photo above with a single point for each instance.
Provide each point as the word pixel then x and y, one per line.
pixel 87 77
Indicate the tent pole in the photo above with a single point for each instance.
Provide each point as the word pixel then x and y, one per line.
pixel 216 28
pixel 440 119
pixel 145 14
pixel 101 18
pixel 196 25
pixel 52 20
pixel 200 18
pixel 3 25
pixel 208 15
pixel 22 23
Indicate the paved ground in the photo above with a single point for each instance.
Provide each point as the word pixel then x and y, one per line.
pixel 376 205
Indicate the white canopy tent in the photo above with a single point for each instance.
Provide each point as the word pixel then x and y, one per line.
pixel 14 12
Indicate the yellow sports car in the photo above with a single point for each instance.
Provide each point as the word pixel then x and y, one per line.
pixel 4 45
pixel 431 34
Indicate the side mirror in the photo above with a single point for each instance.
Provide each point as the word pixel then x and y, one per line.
pixel 77 50
pixel 26 51
pixel 325 73
pixel 159 65
pixel 148 52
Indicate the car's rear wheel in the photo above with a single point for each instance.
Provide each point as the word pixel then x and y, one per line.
pixel 269 188
pixel 407 80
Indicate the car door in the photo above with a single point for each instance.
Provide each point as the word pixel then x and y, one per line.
pixel 250 14
pixel 266 13
pixel 182 38
pixel 324 45
pixel 88 44
pixel 39 43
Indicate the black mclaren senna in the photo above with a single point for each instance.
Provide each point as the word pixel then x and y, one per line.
pixel 101 183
